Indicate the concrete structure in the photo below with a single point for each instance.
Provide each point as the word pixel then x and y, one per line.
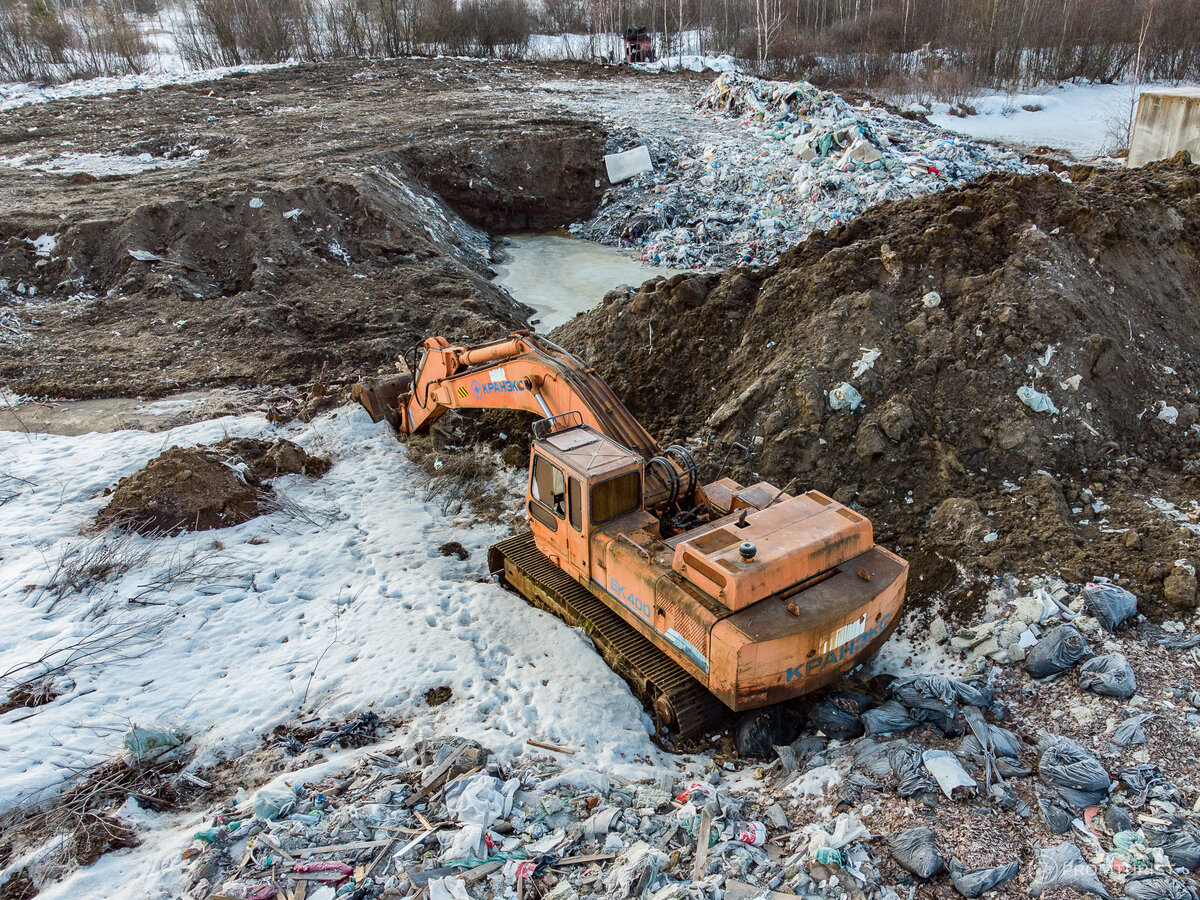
pixel 1167 121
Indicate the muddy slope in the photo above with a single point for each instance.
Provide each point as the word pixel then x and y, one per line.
pixel 1089 292
pixel 302 217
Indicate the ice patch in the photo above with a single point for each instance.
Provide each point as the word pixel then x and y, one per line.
pixel 98 165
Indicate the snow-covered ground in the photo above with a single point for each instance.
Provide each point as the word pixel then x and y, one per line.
pixel 1083 119
pixel 339 603
pixel 686 51
pixel 14 95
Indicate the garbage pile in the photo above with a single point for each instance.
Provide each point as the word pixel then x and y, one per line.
pixel 451 821
pixel 925 778
pixel 808 161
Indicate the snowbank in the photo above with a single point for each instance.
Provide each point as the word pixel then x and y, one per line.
pixel 15 95
pixel 1078 118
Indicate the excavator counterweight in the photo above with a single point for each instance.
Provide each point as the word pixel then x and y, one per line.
pixel 704 597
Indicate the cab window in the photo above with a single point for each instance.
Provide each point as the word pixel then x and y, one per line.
pixel 574 501
pixel 616 497
pixel 548 487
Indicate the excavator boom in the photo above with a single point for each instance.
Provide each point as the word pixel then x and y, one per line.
pixel 523 372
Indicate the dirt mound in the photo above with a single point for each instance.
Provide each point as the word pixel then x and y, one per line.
pixel 198 488
pixel 937 310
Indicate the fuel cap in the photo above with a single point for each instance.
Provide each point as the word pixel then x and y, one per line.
pixel 747 550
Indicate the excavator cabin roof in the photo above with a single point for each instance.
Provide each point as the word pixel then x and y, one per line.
pixel 587 451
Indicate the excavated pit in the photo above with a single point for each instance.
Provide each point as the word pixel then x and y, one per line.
pixel 1086 291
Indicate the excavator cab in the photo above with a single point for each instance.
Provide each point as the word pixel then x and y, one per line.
pixel 578 480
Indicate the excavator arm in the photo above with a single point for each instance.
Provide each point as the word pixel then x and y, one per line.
pixel 523 372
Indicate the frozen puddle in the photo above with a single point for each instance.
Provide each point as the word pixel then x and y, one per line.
pixel 561 276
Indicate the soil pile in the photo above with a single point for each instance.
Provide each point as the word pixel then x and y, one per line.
pixel 937 310
pixel 199 488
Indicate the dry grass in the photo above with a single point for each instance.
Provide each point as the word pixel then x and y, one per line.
pixel 459 476
pixel 87 563
pixel 81 824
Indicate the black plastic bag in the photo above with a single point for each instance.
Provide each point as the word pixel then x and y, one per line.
pixel 1067 767
pixel 912 778
pixel 872 758
pixel 1063 866
pixel 1056 816
pixel 938 693
pixel 839 715
pixel 850 791
pixel 1005 748
pixel 1007 797
pixel 1111 605
pixel 1155 886
pixel 1116 819
pixel 915 850
pixel 1178 840
pixel 976 882
pixel 934 699
pixel 1061 649
pixel 1148 783
pixel 888 718
pixel 1109 675
pixel 1130 731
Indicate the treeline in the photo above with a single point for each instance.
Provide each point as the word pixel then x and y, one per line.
pixel 39 39
pixel 949 47
pixel 994 43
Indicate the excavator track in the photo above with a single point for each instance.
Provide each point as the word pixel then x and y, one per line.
pixel 680 705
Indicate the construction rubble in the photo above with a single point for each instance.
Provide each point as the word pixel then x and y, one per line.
pixel 806 162
pixel 974 783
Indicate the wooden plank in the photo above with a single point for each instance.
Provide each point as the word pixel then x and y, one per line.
pixel 339 848
pixel 435 777
pixel 583 860
pixel 481 872
pixel 702 839
pixel 381 856
pixel 544 746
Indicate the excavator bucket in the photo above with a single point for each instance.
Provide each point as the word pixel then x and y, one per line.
pixel 379 398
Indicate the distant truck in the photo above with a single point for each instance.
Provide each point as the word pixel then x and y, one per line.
pixel 639 46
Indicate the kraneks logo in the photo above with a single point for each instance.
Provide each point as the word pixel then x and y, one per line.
pixel 494 387
pixel 835 656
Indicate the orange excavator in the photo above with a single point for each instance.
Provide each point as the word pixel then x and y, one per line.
pixel 702 596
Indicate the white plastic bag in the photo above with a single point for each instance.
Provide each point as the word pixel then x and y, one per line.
pixel 1036 400
pixel 844 395
pixel 947 771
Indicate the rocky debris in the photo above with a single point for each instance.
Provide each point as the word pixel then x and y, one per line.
pixel 807 161
pixel 199 488
pixel 1068 287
